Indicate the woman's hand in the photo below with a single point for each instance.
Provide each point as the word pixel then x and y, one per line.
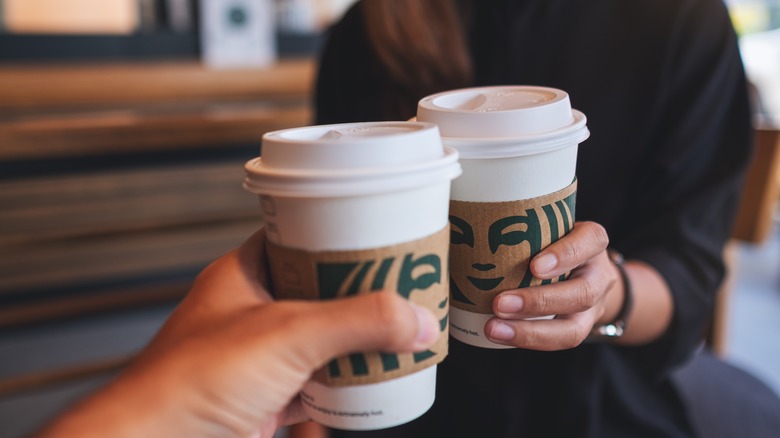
pixel 230 362
pixel 592 294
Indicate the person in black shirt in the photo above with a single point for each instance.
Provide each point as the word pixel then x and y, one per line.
pixel 662 85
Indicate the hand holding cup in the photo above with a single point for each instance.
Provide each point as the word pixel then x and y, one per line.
pixel 232 360
pixel 578 303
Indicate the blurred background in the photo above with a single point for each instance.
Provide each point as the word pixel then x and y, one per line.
pixel 124 126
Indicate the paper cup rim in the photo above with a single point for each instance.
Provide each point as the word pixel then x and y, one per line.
pixel 282 135
pixel 429 101
pixel 504 147
pixel 307 183
pixel 310 148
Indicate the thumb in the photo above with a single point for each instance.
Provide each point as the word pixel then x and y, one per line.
pixel 380 321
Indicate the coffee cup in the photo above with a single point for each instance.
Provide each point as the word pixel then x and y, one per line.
pixel 357 208
pixel 518 150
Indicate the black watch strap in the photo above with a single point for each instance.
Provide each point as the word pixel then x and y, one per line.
pixel 617 327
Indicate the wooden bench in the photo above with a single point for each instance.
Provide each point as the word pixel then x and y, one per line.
pixel 119 181
pixel 754 221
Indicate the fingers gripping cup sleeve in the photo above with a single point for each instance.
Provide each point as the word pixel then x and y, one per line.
pixel 514 231
pixel 416 270
pixel 356 208
pixel 518 150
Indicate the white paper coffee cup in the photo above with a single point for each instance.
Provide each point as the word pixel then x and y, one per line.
pixel 515 143
pixel 327 191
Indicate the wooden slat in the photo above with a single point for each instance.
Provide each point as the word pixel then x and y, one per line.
pixel 760 193
pixel 34 86
pixel 717 334
pixel 114 132
pixel 43 379
pixel 53 264
pixel 105 300
pixel 121 201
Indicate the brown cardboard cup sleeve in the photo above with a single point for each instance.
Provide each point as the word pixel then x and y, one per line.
pixel 492 244
pixel 416 270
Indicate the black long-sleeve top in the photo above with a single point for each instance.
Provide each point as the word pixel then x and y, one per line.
pixel 662 85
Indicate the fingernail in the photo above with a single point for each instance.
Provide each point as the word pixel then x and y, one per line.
pixel 502 332
pixel 427 327
pixel 510 303
pixel 545 263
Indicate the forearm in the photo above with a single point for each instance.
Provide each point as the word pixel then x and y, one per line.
pixel 101 414
pixel 134 405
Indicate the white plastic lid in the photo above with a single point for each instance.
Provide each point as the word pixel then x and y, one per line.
pixel 504 121
pixel 350 159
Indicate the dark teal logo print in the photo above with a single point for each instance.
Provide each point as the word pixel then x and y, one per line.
pixel 491 254
pixel 405 275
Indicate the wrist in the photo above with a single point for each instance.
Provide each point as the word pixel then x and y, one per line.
pixel 614 321
pixel 615 297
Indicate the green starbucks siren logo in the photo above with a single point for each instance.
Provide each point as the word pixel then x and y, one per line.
pixel 492 243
